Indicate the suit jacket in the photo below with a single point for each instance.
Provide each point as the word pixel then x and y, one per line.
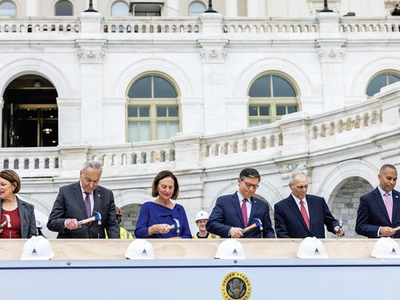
pixel 27 215
pixel 69 204
pixel 372 214
pixel 289 222
pixel 227 213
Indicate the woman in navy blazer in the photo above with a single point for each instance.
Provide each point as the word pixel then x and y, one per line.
pixel 17 216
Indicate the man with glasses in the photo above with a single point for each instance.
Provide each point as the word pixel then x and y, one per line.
pixel 301 215
pixel 232 213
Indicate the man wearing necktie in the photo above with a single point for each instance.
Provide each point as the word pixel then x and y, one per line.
pixel 78 201
pixel 302 215
pixel 234 212
pixel 379 211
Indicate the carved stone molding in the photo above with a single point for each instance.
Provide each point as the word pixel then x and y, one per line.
pixel 212 55
pixel 91 56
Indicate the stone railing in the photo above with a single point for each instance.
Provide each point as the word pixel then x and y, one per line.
pixel 326 131
pixel 270 25
pixel 32 162
pixel 65 25
pixel 351 25
pixel 154 25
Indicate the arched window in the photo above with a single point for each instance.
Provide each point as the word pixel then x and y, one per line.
pixel 153 109
pixel 271 96
pixel 120 9
pixel 7 9
pixel 196 9
pixel 64 8
pixel 381 80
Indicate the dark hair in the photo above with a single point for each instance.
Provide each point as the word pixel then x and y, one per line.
pixel 251 173
pixel 13 178
pixel 161 176
pixel 384 167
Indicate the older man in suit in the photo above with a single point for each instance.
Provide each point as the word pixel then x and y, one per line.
pixel 379 211
pixel 79 201
pixel 301 215
pixel 234 212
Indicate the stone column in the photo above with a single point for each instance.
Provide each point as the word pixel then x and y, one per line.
pixel 256 8
pixel 231 8
pixel 171 9
pixel 213 55
pixel 1 119
pixel 32 8
pixel 91 55
pixel 331 52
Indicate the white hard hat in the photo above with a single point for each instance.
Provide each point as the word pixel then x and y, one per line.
pixel 230 249
pixel 202 215
pixel 386 247
pixel 139 249
pixel 311 247
pixel 37 248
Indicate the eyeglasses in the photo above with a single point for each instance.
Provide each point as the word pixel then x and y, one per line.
pixel 249 185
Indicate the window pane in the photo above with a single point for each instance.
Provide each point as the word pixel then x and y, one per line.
pixel 282 88
pixel 163 89
pixel 261 87
pixel 132 112
pixel 173 128
pixel 376 84
pixel 64 8
pixel 162 130
pixel 161 111
pixel 253 123
pixel 264 122
pixel 144 112
pixel 120 9
pixel 292 109
pixel 133 132
pixel 144 131
pixel 7 9
pixel 196 9
pixel 280 110
pixel 173 111
pixel 253 110
pixel 264 110
pixel 141 88
pixel 393 78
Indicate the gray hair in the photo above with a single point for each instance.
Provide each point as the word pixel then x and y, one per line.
pixel 294 174
pixel 92 164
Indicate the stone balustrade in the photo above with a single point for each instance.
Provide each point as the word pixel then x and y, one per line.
pixel 353 25
pixel 338 128
pixel 40 26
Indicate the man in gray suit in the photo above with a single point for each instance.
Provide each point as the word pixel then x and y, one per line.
pixel 79 201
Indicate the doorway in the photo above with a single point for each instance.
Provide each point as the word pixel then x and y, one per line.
pixel 30 113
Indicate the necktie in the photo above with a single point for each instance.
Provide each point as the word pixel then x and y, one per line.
pixel 87 205
pixel 244 212
pixel 304 214
pixel 389 206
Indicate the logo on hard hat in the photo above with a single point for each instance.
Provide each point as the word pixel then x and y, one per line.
pixel 236 285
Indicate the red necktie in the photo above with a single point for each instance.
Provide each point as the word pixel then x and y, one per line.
pixel 244 212
pixel 389 206
pixel 304 214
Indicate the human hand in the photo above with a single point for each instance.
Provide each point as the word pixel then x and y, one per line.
pixel 162 228
pixel 72 224
pixel 386 231
pixel 338 231
pixel 235 232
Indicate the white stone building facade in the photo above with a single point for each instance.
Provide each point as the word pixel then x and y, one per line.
pixel 87 64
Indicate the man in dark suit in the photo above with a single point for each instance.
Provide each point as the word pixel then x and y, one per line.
pixel 375 218
pixel 301 215
pixel 78 201
pixel 234 212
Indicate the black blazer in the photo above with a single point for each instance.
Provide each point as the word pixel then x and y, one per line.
pixel 289 222
pixel 27 215
pixel 227 213
pixel 69 204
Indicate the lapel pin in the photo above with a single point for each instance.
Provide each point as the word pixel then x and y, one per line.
pixel 98 195
pixel 397 196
